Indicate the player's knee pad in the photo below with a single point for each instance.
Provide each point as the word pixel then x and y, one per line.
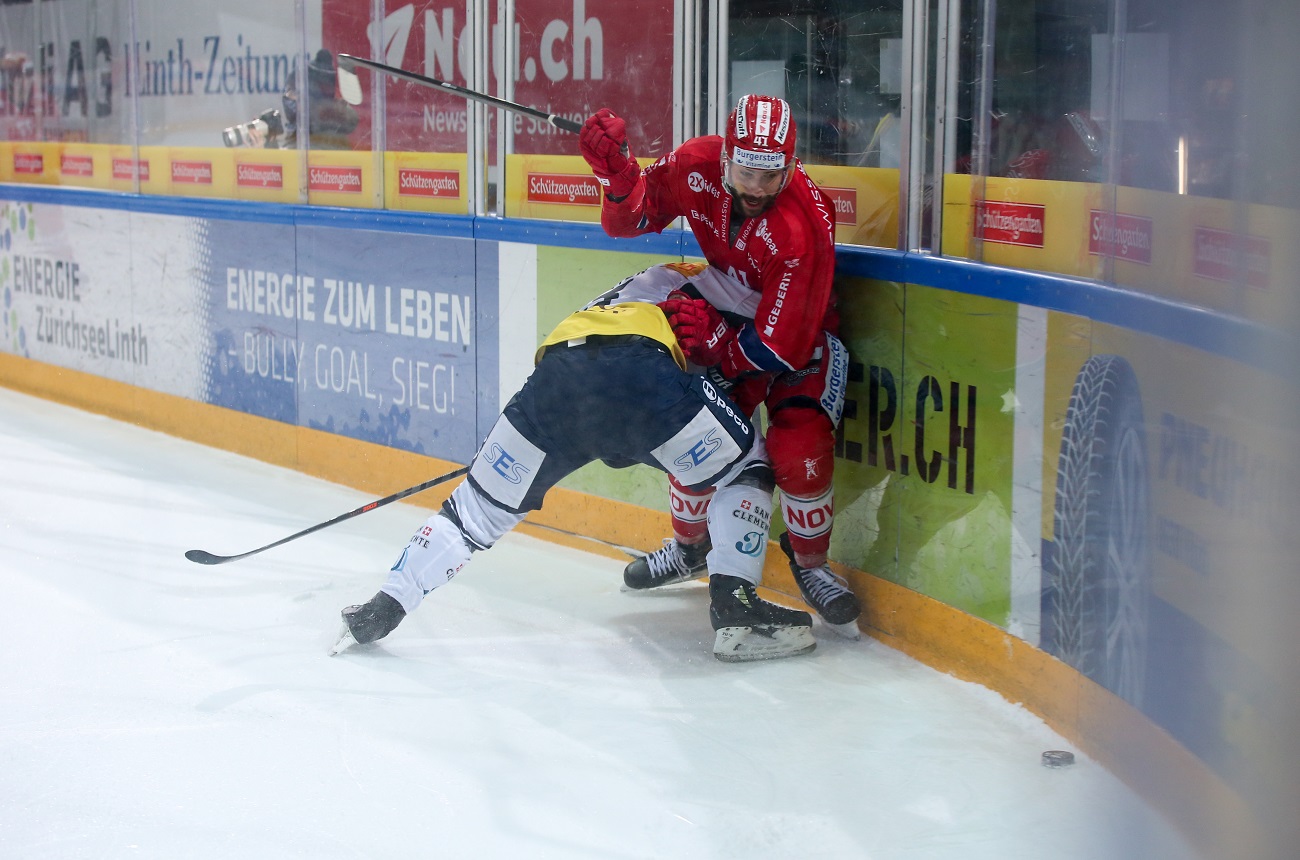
pixel 801 446
pixel 754 469
pixel 435 553
pixel 481 523
pixel 507 464
pixel 759 476
pixel 739 519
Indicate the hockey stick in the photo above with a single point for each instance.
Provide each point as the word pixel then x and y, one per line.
pixel 204 557
pixel 350 89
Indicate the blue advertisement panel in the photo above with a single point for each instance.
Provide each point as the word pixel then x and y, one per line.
pixel 367 334
pixel 376 335
pixel 253 299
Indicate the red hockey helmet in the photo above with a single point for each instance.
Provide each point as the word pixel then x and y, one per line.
pixel 760 136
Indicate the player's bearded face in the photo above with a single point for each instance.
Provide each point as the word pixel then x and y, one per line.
pixel 755 190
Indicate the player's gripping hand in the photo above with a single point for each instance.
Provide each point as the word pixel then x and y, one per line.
pixel 603 143
pixel 702 332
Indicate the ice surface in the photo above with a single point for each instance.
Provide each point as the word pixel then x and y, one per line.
pixel 155 708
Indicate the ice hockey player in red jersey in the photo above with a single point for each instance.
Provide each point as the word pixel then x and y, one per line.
pixel 761 315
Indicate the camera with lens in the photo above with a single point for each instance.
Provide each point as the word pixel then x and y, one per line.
pixel 267 126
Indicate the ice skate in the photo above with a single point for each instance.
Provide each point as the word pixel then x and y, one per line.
pixel 750 628
pixel 673 562
pixel 827 593
pixel 369 621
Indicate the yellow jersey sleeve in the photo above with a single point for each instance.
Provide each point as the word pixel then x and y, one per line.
pixel 639 318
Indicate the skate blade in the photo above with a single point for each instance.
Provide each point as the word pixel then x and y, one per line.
pixel 627 589
pixel 848 630
pixel 744 644
pixel 346 640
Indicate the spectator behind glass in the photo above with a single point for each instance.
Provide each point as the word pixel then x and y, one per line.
pixel 332 119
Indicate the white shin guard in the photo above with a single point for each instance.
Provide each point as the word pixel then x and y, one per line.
pixel 433 556
pixel 739 518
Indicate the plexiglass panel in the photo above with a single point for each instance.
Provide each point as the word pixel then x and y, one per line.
pixel 839 65
pixel 57 71
pixel 573 57
pixel 62 72
pixel 1134 143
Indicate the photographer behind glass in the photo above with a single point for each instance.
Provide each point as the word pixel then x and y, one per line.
pixel 331 118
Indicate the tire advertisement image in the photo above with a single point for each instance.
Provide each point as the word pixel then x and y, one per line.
pixel 1096 580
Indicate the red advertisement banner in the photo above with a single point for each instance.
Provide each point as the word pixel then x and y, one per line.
pixel 414 182
pixel 250 175
pixel 29 163
pixel 563 188
pixel 1010 223
pixel 192 172
pixel 1223 256
pixel 845 203
pixel 130 168
pixel 76 165
pixel 574 56
pixel 341 179
pixel 1125 237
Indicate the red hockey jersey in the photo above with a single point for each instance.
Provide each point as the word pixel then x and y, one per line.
pixel 786 254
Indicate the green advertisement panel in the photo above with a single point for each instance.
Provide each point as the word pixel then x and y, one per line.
pixel 924 483
pixel 567 279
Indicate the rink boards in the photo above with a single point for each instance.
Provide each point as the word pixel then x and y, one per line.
pixel 376 349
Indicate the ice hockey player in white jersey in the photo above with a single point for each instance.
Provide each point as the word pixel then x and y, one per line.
pixel 610 384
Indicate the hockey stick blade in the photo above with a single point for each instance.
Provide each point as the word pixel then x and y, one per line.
pixel 200 556
pixel 350 89
pixel 349 85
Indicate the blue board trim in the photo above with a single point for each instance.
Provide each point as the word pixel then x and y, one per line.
pixel 1212 331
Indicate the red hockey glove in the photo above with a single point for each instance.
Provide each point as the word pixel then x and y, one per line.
pixel 603 142
pixel 702 332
